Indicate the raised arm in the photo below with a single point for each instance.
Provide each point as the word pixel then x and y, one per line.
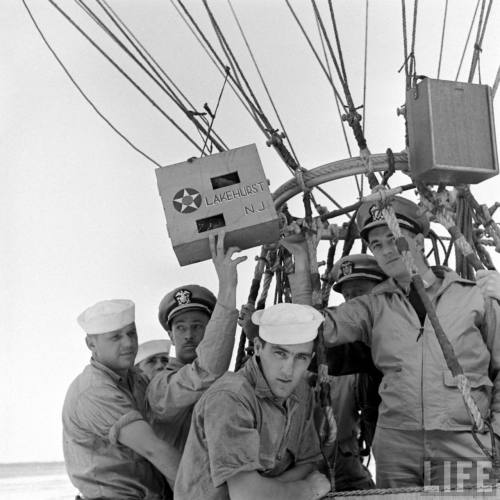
pixel 173 391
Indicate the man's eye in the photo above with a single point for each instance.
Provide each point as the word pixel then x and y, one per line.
pixel 280 354
pixel 303 357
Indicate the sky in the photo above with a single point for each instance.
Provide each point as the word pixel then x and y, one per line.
pixel 80 215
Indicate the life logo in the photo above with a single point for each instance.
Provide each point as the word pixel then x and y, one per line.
pixel 187 200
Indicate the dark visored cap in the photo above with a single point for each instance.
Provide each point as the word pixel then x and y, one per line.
pixel 356 266
pixel 184 298
pixel 407 213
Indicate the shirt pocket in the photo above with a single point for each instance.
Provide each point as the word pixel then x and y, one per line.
pixel 481 389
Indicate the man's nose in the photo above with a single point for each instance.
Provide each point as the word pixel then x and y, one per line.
pixel 127 341
pixel 287 367
pixel 160 364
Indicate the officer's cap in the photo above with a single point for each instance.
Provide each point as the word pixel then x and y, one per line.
pixel 288 323
pixel 107 316
pixel 407 213
pixel 184 298
pixel 358 266
pixel 151 348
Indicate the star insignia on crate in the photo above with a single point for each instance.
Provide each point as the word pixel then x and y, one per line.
pixel 347 268
pixel 376 213
pixel 187 200
pixel 182 297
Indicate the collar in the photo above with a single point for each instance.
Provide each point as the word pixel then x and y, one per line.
pixel 262 390
pixel 114 376
pixel 430 277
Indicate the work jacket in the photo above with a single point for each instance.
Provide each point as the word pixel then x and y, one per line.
pixel 172 394
pixel 418 390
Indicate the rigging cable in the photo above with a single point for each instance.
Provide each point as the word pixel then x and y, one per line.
pixel 271 99
pixel 130 79
pixel 495 85
pixel 467 40
pixel 262 79
pixel 479 39
pixel 442 38
pixel 215 111
pixel 148 56
pixel 255 111
pixel 342 123
pixel 83 94
pixel 315 53
pixel 156 79
pixel 152 63
pixel 216 64
pixel 365 72
pixel 405 46
pixel 413 68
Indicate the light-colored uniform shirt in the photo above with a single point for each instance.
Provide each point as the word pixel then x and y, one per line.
pixel 98 404
pixel 239 425
pixel 418 390
pixel 172 394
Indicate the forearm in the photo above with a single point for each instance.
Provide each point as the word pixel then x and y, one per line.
pixel 296 473
pixel 216 348
pixel 140 437
pixel 166 459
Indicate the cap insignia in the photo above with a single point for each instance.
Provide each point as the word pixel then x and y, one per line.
pixel 376 213
pixel 183 297
pixel 347 267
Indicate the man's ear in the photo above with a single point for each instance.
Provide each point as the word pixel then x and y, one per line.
pixel 257 345
pixel 90 341
pixel 420 241
pixel 171 337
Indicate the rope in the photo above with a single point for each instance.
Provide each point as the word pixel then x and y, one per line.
pixel 337 105
pixel 130 79
pixel 148 57
pixel 446 346
pixel 314 52
pixel 217 65
pixel 413 68
pixel 364 69
pixel 481 29
pixel 215 112
pixel 262 264
pixel 438 209
pixel 152 64
pixel 405 45
pixel 495 85
pixel 253 110
pixel 467 40
pixel 82 93
pixel 442 38
pixel 327 429
pixel 262 78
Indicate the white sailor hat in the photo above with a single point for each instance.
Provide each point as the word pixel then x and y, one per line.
pixel 288 323
pixel 152 347
pixel 107 316
pixel 356 266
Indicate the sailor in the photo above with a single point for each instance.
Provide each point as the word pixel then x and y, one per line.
pixel 109 448
pixel 423 421
pixel 202 329
pixel 252 434
pixel 354 397
pixel 152 356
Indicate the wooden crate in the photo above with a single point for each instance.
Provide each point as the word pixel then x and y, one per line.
pixel 226 190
